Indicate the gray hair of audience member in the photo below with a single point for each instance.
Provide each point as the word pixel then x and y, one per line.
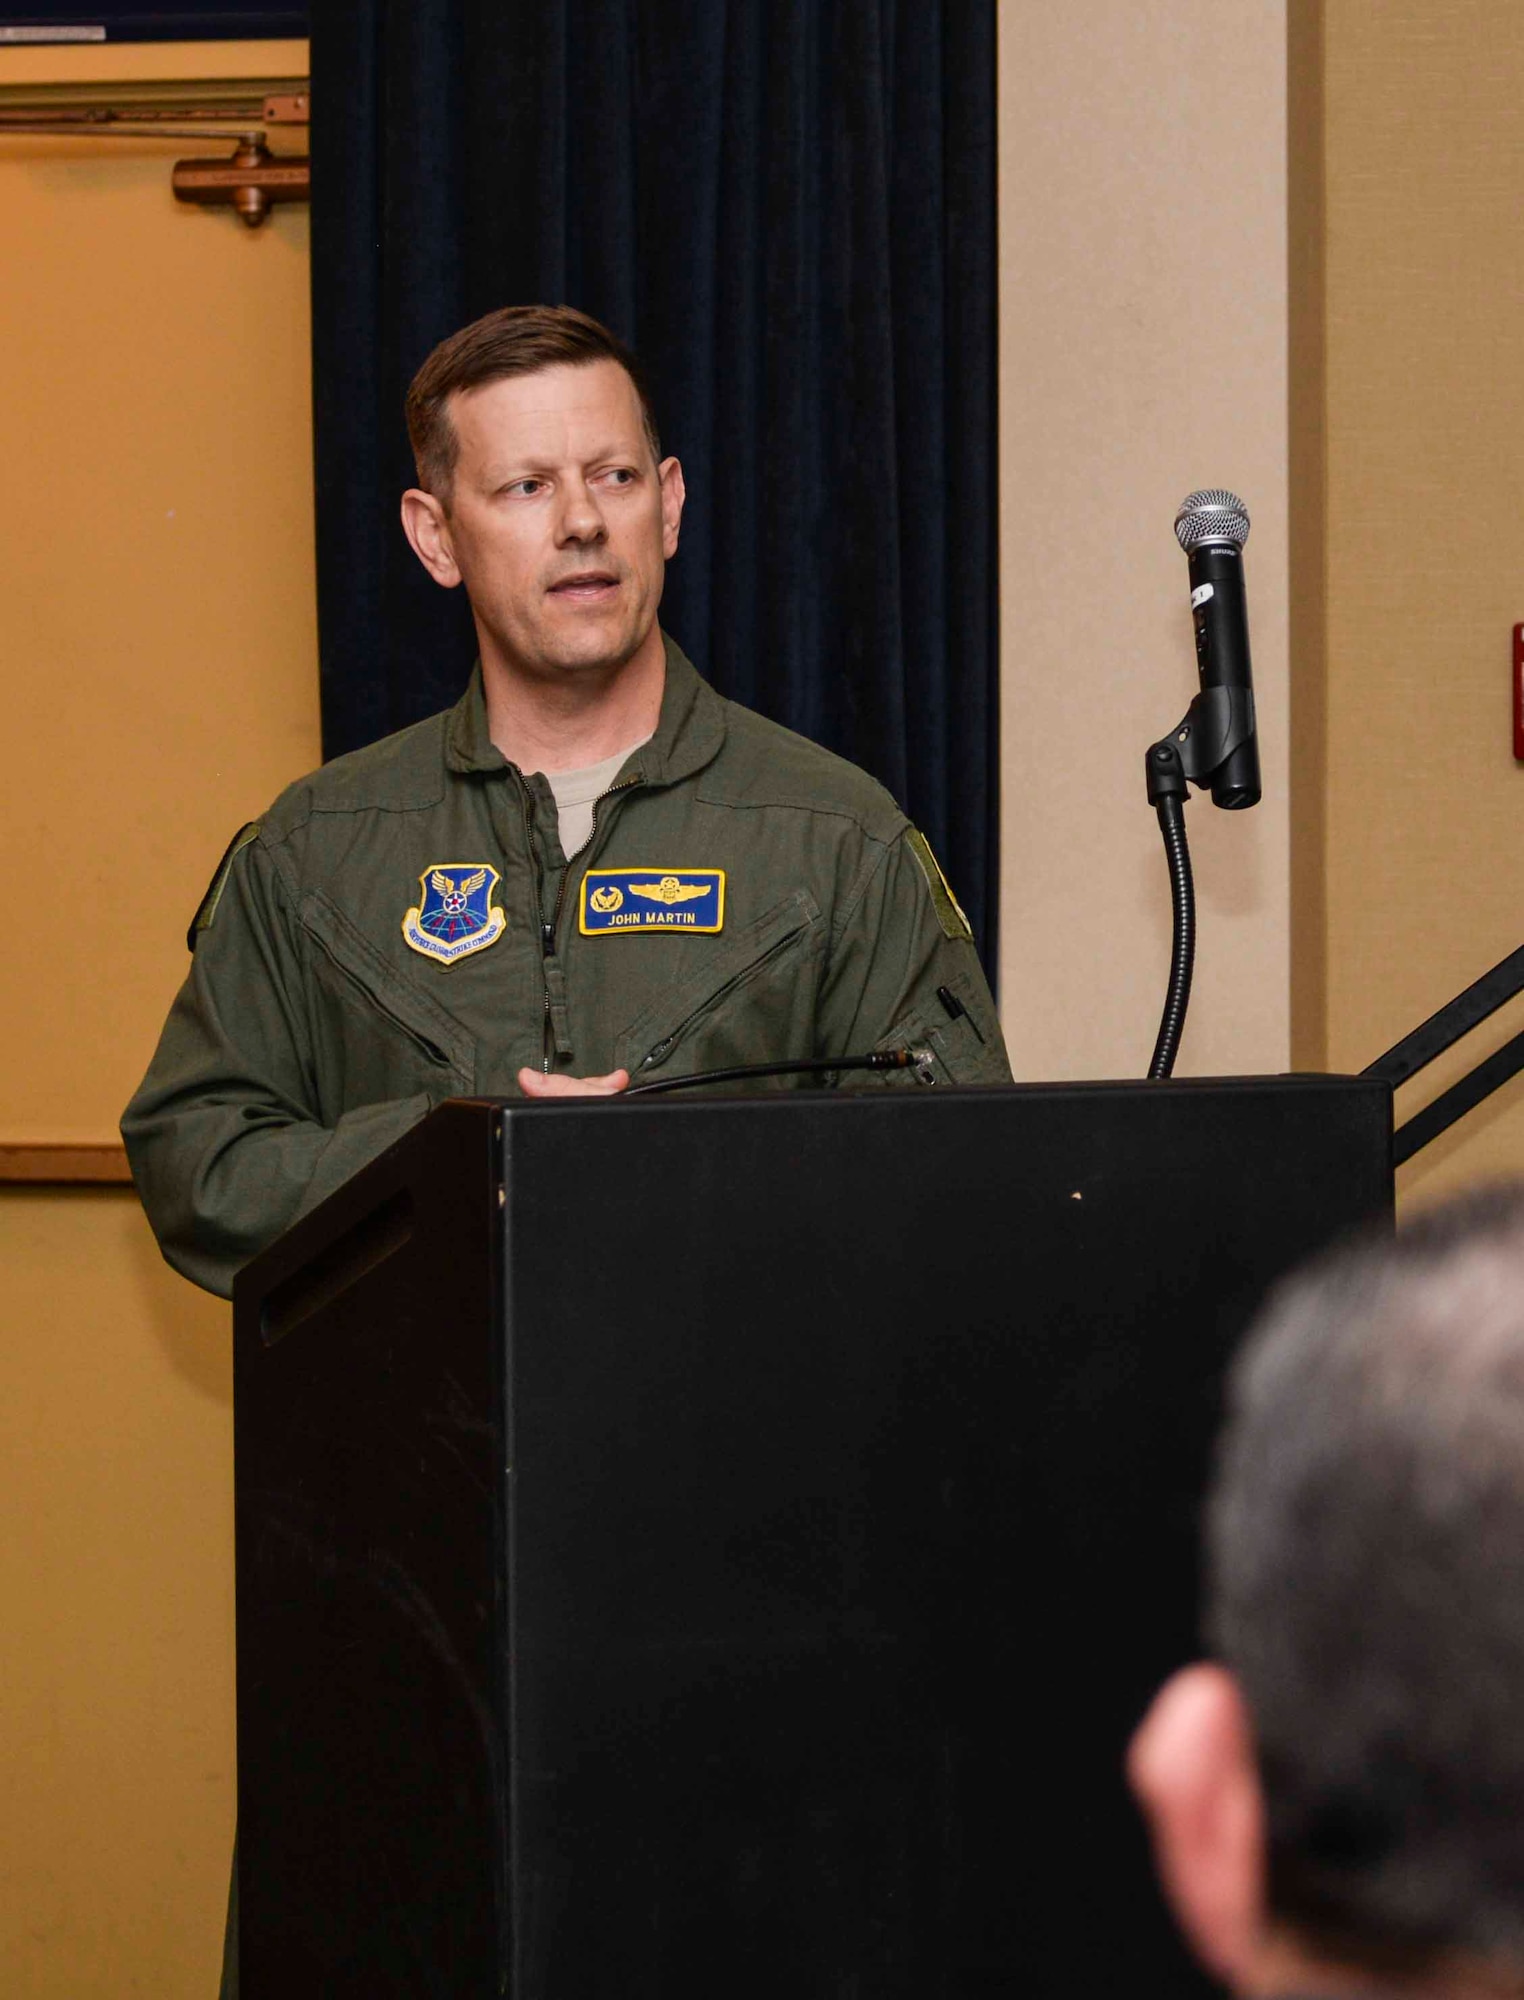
pixel 1366 1587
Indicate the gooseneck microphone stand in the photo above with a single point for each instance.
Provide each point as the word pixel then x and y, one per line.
pixel 1169 806
pixel 1213 744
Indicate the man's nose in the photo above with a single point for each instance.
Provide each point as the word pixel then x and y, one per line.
pixel 581 518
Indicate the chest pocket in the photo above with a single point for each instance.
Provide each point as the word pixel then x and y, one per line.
pixel 753 1001
pixel 374 1036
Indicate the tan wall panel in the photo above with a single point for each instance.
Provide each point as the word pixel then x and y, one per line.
pixel 1307 543
pixel 1425 528
pixel 1143 353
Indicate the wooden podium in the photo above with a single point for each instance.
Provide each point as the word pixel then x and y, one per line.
pixel 719 1547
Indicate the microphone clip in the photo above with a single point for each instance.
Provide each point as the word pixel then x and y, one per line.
pixel 1219 721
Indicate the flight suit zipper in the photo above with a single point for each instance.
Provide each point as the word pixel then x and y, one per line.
pixel 556 1031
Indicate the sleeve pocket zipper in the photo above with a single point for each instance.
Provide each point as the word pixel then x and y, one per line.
pixel 416 1036
pixel 421 1041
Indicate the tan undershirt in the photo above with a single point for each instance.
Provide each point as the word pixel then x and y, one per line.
pixel 575 793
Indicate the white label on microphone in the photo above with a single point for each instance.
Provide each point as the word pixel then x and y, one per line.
pixel 1200 595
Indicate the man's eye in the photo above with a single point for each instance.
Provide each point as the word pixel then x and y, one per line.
pixel 526 486
pixel 619 475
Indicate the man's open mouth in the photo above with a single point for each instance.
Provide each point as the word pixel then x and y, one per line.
pixel 586 583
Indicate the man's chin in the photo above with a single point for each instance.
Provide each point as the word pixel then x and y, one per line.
pixel 589 653
pixel 589 645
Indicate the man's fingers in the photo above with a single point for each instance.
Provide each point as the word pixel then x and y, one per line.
pixel 535 1083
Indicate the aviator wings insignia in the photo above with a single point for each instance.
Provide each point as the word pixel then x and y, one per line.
pixel 670 890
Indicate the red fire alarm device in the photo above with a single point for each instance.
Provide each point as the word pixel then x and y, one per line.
pixel 1518 692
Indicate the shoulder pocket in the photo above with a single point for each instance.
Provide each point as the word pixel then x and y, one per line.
pixel 743 1005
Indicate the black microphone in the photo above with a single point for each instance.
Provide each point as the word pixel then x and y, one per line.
pixel 1212 527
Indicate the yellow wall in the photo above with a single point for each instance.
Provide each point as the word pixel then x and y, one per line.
pixel 116 1643
pixel 1422 564
pixel 157 630
pixel 158 654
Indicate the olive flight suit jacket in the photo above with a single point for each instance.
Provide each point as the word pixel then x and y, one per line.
pixel 403 927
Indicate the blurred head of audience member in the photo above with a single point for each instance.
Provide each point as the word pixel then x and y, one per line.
pixel 1337 1799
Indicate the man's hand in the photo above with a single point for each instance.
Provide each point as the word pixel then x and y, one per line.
pixel 535 1083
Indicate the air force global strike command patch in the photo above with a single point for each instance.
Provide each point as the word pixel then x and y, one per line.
pixel 457 914
pixel 652 899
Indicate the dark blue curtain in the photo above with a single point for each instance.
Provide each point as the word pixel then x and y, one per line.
pixel 788 208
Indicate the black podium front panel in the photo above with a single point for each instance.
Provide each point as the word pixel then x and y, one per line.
pixel 722 1546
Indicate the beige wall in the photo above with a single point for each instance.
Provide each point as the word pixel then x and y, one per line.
pixel 158 656
pixel 1423 410
pixel 1143 330
pixel 1360 381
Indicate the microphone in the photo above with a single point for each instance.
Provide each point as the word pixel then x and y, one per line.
pixel 1212 527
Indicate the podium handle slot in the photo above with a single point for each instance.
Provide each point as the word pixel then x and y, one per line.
pixel 346 1260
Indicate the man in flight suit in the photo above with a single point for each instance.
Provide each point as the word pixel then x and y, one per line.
pixel 593 868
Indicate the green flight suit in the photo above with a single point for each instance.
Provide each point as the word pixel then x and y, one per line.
pixel 310 1034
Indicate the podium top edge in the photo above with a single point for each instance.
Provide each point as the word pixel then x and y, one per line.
pixel 1288 1080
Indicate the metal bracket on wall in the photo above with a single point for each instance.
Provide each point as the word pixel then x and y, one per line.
pixel 249 181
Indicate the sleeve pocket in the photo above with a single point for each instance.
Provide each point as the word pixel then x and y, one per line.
pixel 959 1052
pixel 396 1042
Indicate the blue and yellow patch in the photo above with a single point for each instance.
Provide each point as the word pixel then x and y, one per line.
pixel 652 899
pixel 455 914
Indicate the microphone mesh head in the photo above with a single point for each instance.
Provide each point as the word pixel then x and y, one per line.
pixel 1211 516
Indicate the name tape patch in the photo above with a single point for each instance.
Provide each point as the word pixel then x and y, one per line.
pixel 651 899
pixel 455 914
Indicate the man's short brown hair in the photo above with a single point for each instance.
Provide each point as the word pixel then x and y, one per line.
pixel 514 340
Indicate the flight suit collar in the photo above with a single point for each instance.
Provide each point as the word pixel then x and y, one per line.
pixel 688 735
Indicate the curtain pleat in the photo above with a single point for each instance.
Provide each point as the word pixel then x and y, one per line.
pixel 788 208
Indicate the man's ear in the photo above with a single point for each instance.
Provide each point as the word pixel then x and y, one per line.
pixel 1193 1771
pixel 427 527
pixel 673 494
